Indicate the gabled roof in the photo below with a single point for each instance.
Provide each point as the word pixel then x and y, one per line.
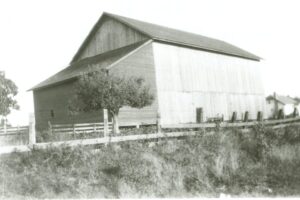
pixel 170 35
pixel 283 99
pixel 88 65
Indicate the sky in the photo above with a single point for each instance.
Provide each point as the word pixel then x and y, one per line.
pixel 39 37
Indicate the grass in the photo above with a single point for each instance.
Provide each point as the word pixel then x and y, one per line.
pixel 263 162
pixel 14 139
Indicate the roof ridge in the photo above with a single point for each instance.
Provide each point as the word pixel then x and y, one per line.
pixel 116 17
pixel 172 36
pixel 162 26
pixel 198 41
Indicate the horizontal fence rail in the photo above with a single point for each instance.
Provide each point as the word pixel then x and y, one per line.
pixel 106 128
pixel 105 140
pixel 14 135
pixel 80 128
pixel 14 130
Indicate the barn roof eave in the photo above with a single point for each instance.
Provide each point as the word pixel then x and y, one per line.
pixel 122 53
pixel 155 31
pixel 153 35
pixel 256 58
pixel 51 85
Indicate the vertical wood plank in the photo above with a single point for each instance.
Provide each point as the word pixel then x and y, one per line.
pixel 50 127
pixel 4 126
pixel 110 35
pixel 158 123
pixel 218 83
pixel 94 126
pixel 105 123
pixel 32 133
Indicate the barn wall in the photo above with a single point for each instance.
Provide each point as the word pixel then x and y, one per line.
pixel 220 84
pixel 56 98
pixel 110 35
pixel 139 64
pixel 270 108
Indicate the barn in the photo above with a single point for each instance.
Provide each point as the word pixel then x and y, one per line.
pixel 186 72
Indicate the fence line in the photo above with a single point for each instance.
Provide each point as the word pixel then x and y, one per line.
pixel 106 128
pixel 80 128
pixel 13 130
pixel 231 125
pixel 105 140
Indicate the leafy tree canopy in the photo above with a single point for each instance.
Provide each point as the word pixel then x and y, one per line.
pixel 8 91
pixel 98 90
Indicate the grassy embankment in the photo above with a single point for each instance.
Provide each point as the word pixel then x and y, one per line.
pixel 263 162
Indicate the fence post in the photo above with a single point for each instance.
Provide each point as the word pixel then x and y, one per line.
pixel 233 119
pixel 259 116
pixel 105 123
pixel 246 116
pixel 4 126
pixel 74 131
pixel 199 115
pixel 94 126
pixel 296 112
pixel 280 114
pixel 50 127
pixel 32 134
pixel 158 123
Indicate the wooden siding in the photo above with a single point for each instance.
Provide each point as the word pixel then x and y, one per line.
pixel 270 107
pixel 220 84
pixel 110 35
pixel 56 98
pixel 138 64
pixel 288 109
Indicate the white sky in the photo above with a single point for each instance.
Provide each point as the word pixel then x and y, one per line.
pixel 39 38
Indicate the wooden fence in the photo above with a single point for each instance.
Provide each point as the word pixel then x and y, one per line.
pixel 14 135
pixel 106 140
pixel 82 128
pixel 14 130
pixel 231 125
pixel 106 128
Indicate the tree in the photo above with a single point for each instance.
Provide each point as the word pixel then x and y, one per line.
pixel 8 91
pixel 99 90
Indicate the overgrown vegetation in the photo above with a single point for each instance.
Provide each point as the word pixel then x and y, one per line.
pixel 263 162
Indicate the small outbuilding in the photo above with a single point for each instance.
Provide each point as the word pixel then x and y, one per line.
pixel 279 103
pixel 187 73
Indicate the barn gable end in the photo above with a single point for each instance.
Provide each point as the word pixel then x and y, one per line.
pixel 108 34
